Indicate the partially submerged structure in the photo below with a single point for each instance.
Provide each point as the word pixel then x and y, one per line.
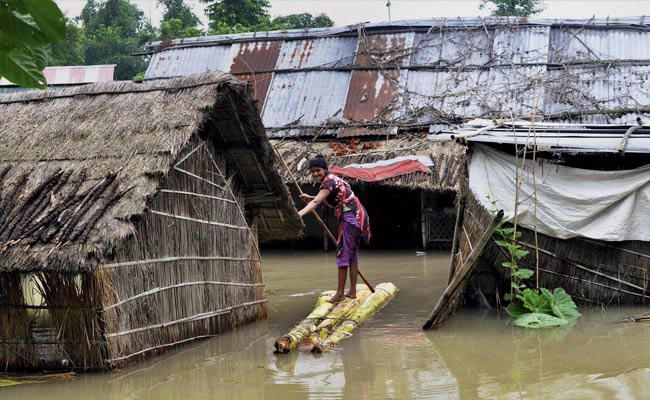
pixel 130 218
pixel 580 196
pixel 383 83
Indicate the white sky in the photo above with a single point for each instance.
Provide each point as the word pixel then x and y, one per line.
pixel 345 12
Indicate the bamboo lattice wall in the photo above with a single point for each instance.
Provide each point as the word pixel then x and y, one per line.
pixel 192 270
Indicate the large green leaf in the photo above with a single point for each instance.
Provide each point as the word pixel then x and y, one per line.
pixel 26 26
pixel 30 23
pixel 516 310
pixel 535 302
pixel 49 18
pixel 561 303
pixel 538 320
pixel 24 67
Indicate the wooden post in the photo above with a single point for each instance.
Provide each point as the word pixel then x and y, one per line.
pixel 452 290
pixel 460 207
pixel 423 221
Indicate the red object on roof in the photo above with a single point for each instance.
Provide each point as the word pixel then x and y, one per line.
pixel 379 173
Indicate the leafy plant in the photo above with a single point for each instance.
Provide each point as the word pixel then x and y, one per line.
pixel 26 28
pixel 531 308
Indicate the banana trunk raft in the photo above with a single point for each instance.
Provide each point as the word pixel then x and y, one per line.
pixel 329 323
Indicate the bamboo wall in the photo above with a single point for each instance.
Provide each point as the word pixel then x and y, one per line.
pixel 50 320
pixel 593 272
pixel 192 269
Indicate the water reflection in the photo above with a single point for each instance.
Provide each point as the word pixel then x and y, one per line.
pixel 476 355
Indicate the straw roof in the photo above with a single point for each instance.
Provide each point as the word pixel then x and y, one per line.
pixel 110 147
pixel 448 158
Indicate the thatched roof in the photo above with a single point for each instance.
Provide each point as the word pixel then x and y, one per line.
pixel 448 158
pixel 121 139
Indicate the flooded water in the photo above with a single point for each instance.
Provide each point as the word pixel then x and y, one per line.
pixel 475 355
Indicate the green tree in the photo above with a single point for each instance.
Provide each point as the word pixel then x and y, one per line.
pixel 304 20
pixel 26 28
pixel 178 21
pixel 71 51
pixel 236 14
pixel 516 8
pixel 115 30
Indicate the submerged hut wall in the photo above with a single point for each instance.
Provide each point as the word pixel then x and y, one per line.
pixel 594 272
pixel 191 270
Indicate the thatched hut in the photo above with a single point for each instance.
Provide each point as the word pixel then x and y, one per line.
pixel 130 216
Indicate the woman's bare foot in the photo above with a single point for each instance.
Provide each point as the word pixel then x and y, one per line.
pixel 351 295
pixel 336 298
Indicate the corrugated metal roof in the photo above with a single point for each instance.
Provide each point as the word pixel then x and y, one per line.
pixel 373 93
pixel 305 99
pixel 521 45
pixel 584 44
pixel 74 75
pixel 325 52
pixel 187 61
pixel 379 78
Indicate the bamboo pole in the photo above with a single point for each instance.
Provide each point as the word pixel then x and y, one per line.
pixel 320 221
pixel 459 277
pixel 460 206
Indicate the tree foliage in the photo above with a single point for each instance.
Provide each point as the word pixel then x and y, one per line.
pixel 516 8
pixel 70 51
pixel 304 20
pixel 236 16
pixel 113 31
pixel 178 21
pixel 26 28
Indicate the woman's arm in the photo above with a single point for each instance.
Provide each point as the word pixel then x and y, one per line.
pixel 318 200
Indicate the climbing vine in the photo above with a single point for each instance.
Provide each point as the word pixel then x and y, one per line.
pixel 530 307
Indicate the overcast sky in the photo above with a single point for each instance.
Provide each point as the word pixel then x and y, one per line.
pixel 345 12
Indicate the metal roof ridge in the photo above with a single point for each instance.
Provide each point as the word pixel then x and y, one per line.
pixel 447 22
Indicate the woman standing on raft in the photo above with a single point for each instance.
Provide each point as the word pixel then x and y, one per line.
pixel 353 222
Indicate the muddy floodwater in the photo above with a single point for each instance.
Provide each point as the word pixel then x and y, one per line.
pixel 475 355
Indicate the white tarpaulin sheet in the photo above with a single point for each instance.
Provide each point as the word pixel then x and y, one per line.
pixel 604 205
